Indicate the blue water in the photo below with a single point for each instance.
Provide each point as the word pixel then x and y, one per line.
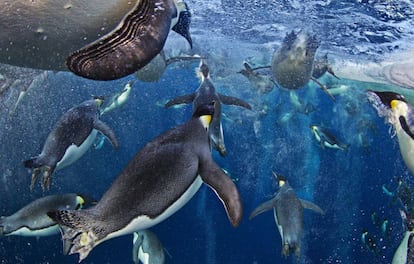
pixel 347 186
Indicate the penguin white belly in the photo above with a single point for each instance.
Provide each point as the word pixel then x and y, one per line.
pixel 73 152
pixel 24 231
pixel 143 256
pixel 279 227
pixel 144 222
pixel 400 255
pixel 406 144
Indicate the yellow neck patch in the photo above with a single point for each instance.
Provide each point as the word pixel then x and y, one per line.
pixel 394 104
pixel 281 183
pixel 205 120
pixel 80 201
pixel 99 102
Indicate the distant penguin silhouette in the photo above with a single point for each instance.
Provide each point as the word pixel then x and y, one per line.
pixel 147 248
pixel 263 83
pixel 288 214
pixel 153 71
pixel 118 99
pixel 70 138
pixel 327 139
pixel 400 114
pixel 205 93
pixel 162 177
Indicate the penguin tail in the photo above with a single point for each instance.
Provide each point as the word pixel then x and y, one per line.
pixel 79 229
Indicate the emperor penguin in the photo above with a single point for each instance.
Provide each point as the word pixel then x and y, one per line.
pixel 263 83
pixel 153 71
pixel 288 214
pixel 138 38
pixel 405 251
pixel 327 139
pixel 32 220
pixel 159 180
pixel 118 99
pixel 100 39
pixel 400 114
pixel 205 93
pixel 70 138
pixel 147 248
pixel 292 63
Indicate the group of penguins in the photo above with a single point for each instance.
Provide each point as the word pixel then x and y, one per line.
pixel 184 152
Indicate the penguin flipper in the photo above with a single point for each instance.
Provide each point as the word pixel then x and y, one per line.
pixel 80 230
pixel 224 187
pixel 270 204
pixel 230 100
pixel 311 206
pixel 107 131
pixel 184 99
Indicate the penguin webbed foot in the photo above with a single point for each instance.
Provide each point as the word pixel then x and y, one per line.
pixel 46 178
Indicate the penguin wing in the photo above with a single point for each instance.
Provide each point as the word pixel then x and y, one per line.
pixel 223 186
pixel 107 131
pixel 184 99
pixel 229 100
pixel 407 125
pixel 311 206
pixel 263 207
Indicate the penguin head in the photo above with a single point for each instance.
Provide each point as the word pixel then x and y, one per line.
pixel 83 200
pixel 205 113
pixel 281 180
pixel 203 72
pixel 98 100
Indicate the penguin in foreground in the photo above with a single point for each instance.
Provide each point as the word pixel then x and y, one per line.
pixel 205 93
pixel 147 248
pixel 400 114
pixel 162 177
pixel 405 251
pixel 138 38
pixel 288 214
pixel 71 137
pixel 327 139
pixel 32 220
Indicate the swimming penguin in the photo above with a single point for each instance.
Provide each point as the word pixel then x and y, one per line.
pixel 327 139
pixel 31 220
pixel 288 214
pixel 404 193
pixel 205 93
pixel 147 248
pixel 400 114
pixel 369 242
pixel 41 35
pixel 263 83
pixel 405 251
pixel 70 138
pixel 138 38
pixel 153 71
pixel 118 99
pixel 292 63
pixel 321 66
pixel 162 177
